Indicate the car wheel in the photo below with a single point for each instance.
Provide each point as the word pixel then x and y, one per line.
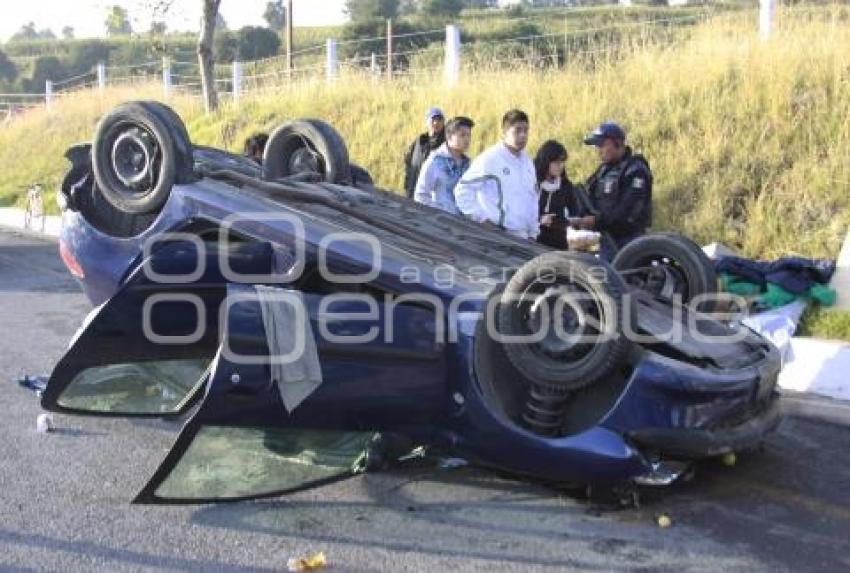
pixel 306 146
pixel 183 141
pixel 577 301
pixel 667 265
pixel 137 157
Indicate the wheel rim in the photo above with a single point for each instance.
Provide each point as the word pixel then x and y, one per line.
pixel 581 312
pixel 135 159
pixel 302 158
pixel 662 276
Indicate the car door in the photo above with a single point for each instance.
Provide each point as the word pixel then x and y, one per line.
pixel 160 347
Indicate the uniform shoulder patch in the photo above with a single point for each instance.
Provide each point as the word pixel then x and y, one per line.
pixel 638 183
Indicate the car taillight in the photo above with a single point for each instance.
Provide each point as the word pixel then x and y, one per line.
pixel 70 261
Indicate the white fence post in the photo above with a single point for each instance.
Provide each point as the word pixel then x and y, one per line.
pixel 766 11
pixel 166 76
pixel 331 62
pixel 452 57
pixel 101 76
pixel 48 93
pixel 237 80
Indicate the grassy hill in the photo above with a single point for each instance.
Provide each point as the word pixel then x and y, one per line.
pixel 748 140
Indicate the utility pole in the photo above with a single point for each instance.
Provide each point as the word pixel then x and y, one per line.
pixel 288 35
pixel 389 48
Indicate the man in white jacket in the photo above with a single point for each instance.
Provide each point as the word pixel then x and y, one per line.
pixel 500 185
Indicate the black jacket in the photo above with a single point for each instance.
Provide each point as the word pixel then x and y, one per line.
pixel 416 155
pixel 622 196
pixel 562 203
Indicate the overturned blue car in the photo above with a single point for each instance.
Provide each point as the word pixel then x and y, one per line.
pixel 305 323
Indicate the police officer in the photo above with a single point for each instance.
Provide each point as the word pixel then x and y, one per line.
pixel 620 189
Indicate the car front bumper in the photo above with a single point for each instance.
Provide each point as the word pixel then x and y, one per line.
pixel 695 443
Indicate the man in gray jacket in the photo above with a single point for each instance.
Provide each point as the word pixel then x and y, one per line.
pixel 444 167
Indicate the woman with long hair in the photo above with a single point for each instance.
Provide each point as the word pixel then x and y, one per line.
pixel 558 200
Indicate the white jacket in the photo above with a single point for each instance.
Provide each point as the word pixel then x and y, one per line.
pixel 516 208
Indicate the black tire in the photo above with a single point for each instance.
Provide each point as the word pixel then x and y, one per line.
pixel 555 362
pixel 684 259
pixel 130 133
pixel 306 145
pixel 360 176
pixel 185 149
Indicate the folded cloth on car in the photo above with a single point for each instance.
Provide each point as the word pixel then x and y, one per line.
pixel 292 348
pixel 794 274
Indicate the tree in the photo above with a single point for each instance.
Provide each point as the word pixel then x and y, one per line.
pixel 158 28
pixel 46 34
pixel 355 46
pixel 45 68
pixel 275 15
pixel 220 24
pixel 444 8
pixel 26 32
pixel 118 22
pixel 68 32
pixel 8 70
pixel 254 42
pixel 364 10
pixel 83 55
pixel 206 58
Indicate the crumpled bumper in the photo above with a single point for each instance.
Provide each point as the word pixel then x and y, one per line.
pixel 694 443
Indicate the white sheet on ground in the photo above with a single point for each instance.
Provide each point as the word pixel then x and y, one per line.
pixel 285 324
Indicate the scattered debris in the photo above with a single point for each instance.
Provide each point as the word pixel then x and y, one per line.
pixel 35 383
pixel 623 495
pixel 309 563
pixel 44 423
pixel 663 521
pixel 416 453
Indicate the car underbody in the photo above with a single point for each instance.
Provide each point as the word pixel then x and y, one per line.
pixel 218 262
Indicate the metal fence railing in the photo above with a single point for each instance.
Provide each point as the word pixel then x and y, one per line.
pixel 442 51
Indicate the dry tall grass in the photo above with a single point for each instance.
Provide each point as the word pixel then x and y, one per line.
pixel 748 140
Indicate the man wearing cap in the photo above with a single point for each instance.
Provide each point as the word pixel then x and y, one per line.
pixel 422 147
pixel 620 189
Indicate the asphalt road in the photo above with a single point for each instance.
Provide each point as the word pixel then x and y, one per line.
pixel 65 496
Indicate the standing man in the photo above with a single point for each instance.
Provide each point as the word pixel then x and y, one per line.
pixel 501 184
pixel 422 146
pixel 620 189
pixel 445 166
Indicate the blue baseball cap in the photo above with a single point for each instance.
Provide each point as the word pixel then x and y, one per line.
pixel 434 112
pixel 607 130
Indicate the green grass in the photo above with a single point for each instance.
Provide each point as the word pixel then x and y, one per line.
pixel 748 140
pixel 822 323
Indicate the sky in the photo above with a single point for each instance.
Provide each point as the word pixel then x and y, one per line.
pixel 87 16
